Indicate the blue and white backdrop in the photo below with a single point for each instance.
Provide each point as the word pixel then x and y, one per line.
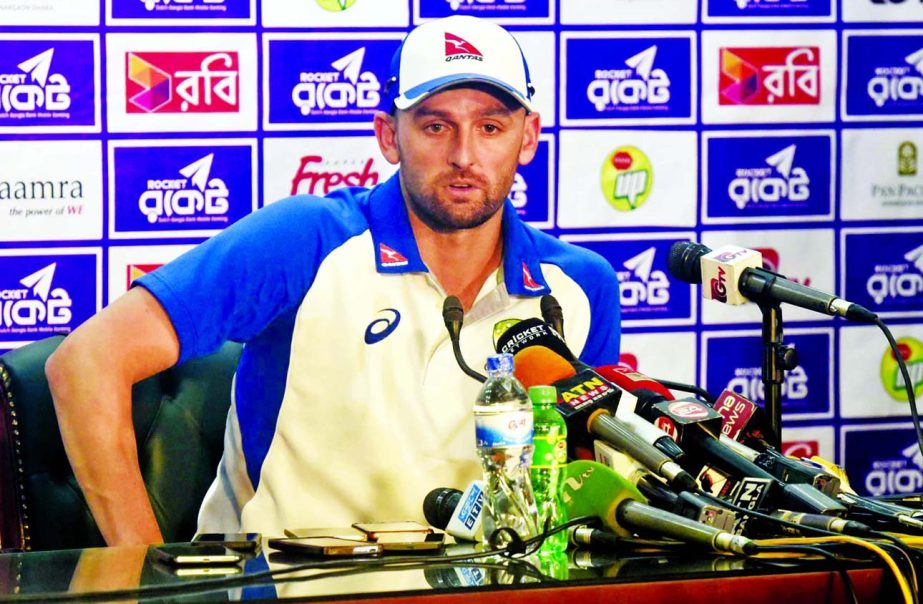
pixel 131 130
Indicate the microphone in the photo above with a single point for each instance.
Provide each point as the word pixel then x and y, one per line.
pixel 584 400
pixel 735 275
pixel 457 513
pixel 535 332
pixel 592 489
pixel 453 313
pixel 552 313
pixel 618 374
pixel 825 523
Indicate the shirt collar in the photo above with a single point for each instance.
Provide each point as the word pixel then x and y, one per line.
pixel 396 249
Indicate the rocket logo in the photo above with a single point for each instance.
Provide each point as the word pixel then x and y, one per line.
pixel 389 257
pixel 459 48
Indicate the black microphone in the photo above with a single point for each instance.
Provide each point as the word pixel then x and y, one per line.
pixel 733 274
pixel 453 313
pixel 458 513
pixel 552 313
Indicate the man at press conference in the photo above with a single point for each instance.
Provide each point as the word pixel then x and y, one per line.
pixel 348 404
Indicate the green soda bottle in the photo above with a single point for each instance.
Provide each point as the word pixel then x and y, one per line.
pixel 549 460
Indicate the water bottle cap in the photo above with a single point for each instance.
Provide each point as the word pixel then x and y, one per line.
pixel 543 395
pixel 500 363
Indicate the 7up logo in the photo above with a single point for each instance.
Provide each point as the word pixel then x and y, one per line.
pixel 627 178
pixel 335 5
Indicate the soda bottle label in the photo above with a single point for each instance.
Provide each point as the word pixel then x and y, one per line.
pixel 503 429
pixel 549 449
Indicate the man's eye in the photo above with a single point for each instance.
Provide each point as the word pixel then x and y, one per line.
pixel 435 128
pixel 491 128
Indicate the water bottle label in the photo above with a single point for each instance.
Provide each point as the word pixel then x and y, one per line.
pixel 503 429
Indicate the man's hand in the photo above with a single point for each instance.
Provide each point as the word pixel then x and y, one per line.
pixel 90 376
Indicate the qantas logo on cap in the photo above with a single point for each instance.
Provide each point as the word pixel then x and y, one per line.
pixel 527 279
pixel 389 257
pixel 459 48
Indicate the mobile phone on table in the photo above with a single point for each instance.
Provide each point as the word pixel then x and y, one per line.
pixel 327 547
pixel 413 542
pixel 239 542
pixel 347 532
pixel 400 531
pixel 188 554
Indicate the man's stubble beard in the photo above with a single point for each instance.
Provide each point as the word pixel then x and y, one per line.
pixel 436 214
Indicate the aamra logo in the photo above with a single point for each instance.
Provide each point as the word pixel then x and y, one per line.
pixel 907 159
pixel 640 284
pixel 181 82
pixel 47 190
pixel 37 302
pixel 379 329
pixel 641 83
pixel 627 178
pixel 136 271
pixel 779 180
pixel 892 476
pixel 317 176
pixel 347 88
pixel 898 85
pixel 898 280
pixel 459 48
pixel 389 257
pixel 769 76
pixel 173 200
pixel 335 6
pixel 911 351
pixel 35 89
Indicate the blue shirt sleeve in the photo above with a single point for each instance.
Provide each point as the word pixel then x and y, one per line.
pixel 233 285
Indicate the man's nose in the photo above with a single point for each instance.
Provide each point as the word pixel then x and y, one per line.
pixel 463 153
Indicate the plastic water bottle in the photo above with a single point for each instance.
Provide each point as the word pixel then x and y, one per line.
pixel 548 465
pixel 503 431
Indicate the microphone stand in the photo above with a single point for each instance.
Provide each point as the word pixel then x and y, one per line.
pixel 776 359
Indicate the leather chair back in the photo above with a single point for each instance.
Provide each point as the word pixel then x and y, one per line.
pixel 179 417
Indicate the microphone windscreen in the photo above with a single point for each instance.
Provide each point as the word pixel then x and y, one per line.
pixel 532 332
pixel 439 504
pixel 684 261
pixel 592 489
pixel 632 381
pixel 540 366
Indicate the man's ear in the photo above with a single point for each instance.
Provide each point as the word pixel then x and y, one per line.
pixel 386 134
pixel 531 130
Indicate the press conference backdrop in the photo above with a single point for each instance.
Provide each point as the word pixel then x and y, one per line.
pixel 130 130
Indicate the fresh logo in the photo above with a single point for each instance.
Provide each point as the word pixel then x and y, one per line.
pixel 769 76
pixel 627 178
pixel 35 88
pixel 898 280
pixel 36 302
pixel 781 180
pixel 328 92
pixel 459 48
pixel 182 82
pixel 907 159
pixel 312 180
pixel 335 6
pixel 911 351
pixel 173 200
pixel 641 284
pixel 901 475
pixel 379 329
pixel 899 84
pixel 389 257
pixel 640 83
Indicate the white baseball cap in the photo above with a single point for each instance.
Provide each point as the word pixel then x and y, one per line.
pixel 455 50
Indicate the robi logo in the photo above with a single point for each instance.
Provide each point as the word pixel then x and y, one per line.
pixel 173 200
pixel 771 262
pixel 322 182
pixel 769 76
pixel 627 177
pixel 41 304
pixel 181 82
pixel 331 91
pixel 640 83
pixel 801 448
pixel 35 88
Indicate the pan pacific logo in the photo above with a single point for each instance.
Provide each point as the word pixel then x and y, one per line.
pixel 637 84
pixel 898 84
pixel 911 351
pixel 335 6
pixel 193 198
pixel 642 285
pixel 779 180
pixel 627 178
pixel 902 280
pixel 36 88
pixel 332 92
pixel 901 475
pixel 36 303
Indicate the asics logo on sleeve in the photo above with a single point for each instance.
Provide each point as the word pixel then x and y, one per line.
pixel 379 329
